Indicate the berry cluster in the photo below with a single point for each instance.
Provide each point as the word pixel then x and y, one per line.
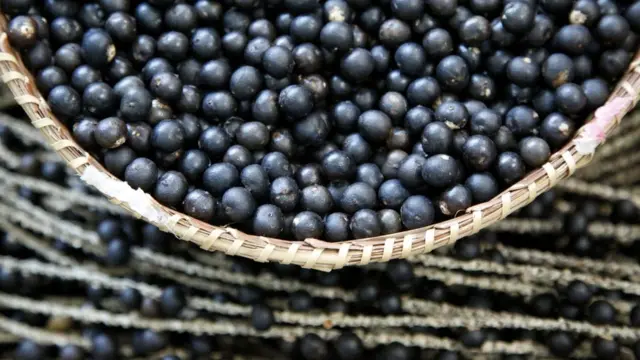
pixel 336 120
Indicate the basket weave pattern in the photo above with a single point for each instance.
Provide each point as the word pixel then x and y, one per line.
pixel 311 253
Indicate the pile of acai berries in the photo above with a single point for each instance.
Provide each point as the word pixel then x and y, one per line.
pixel 335 119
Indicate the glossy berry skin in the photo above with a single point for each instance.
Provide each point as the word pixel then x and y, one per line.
pixel 22 32
pixel 417 119
pixel 417 211
pixel 296 101
pixel 453 114
pixel 436 138
pixel 442 8
pixel 171 188
pixel 172 301
pixel 238 156
pixel 307 225
pixel 104 347
pixel 337 36
pixel 485 122
pixel 612 30
pixel 262 317
pixel 245 83
pixel 613 63
pixel 358 196
pixel 394 32
pixel 374 125
pixel 365 223
pixel 64 30
pixel 50 77
pixel 173 46
pixel 438 43
pixel 253 135
pixel 410 171
pixel 390 221
pixel 141 173
pixel 394 105
pixel 500 36
pixel 510 167
pixel 118 253
pixel 167 136
pixel 570 98
pixel 276 165
pixel 601 312
pixel 336 227
pixel 312 129
pixel 556 129
pixel 440 170
pixel 83 133
pixel 479 152
pixel 605 348
pixel 392 194
pixel 255 179
pixel 98 99
pixel 349 346
pixel 121 26
pixel 453 73
pixel 523 71
pixel 357 65
pixel 64 101
pixel 166 86
pixel 558 70
pixel 518 17
pixel 357 148
pixel 206 43
pixel 521 120
pixel 573 39
pixel 214 141
pixel 238 204
pixel 596 91
pixel 631 14
pixel 534 151
pixel 337 165
pixel 200 205
pixel 483 187
pixel 578 293
pixel 278 61
pixel 410 58
pixel 561 344
pixel 310 174
pixel 220 177
pixel 423 91
pixel 482 87
pixel 268 221
pixel 116 160
pixel 475 30
pixel 97 48
pixel 370 174
pixel 110 132
pixel 285 193
pixel 316 198
pixel 407 10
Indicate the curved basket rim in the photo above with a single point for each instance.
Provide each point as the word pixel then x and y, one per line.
pixel 310 253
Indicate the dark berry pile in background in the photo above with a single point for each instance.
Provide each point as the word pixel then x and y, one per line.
pixel 59 253
pixel 337 119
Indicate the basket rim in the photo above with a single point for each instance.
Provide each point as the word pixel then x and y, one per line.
pixel 312 253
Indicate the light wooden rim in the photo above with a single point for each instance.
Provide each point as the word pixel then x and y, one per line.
pixel 312 253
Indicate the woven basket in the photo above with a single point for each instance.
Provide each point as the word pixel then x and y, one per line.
pixel 313 253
